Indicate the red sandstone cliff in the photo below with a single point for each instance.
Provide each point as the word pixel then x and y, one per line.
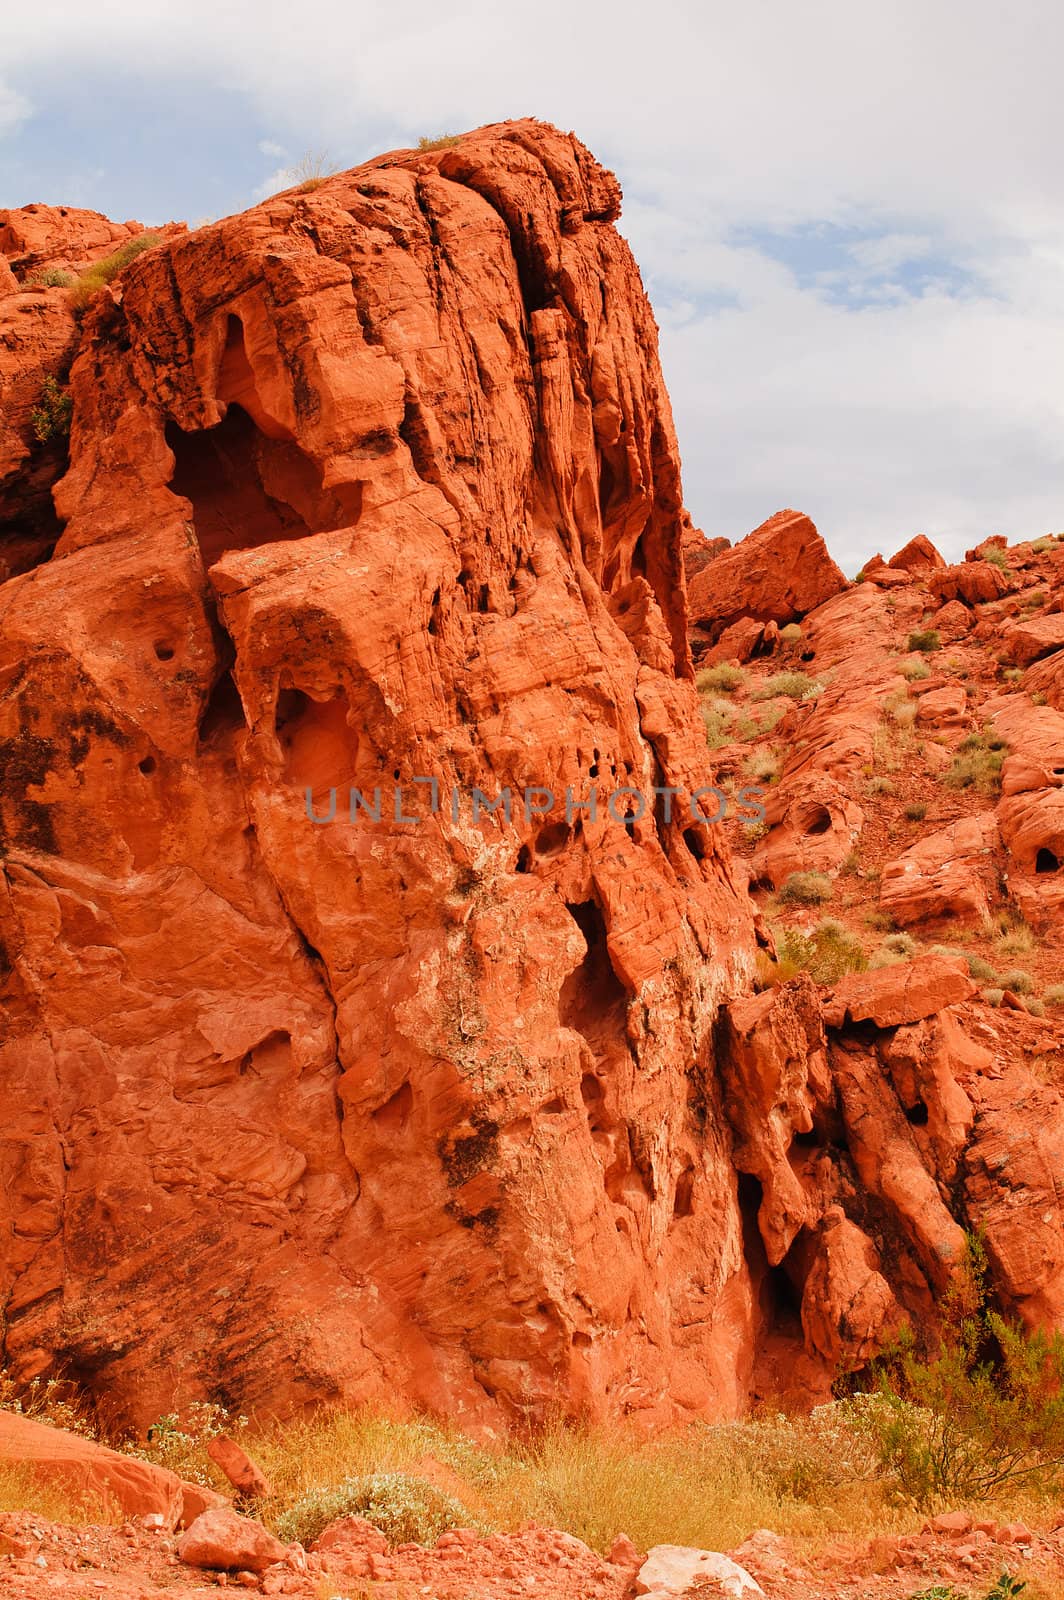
pixel 378 481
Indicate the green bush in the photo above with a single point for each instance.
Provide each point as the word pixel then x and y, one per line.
pixel 50 417
pixel 406 1509
pixel 796 685
pixel 806 889
pixel 982 1412
pixel 722 677
pixel 925 640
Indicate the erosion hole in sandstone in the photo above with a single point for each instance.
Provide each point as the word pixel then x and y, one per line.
pixel 692 838
pixel 917 1114
pixel 147 766
pixel 224 712
pixel 778 1300
pixel 816 821
pixel 593 1001
pixel 163 651
pixel 394 1114
pixel 248 490
pixel 552 840
pixel 1046 861
pixel 683 1200
pixel 318 745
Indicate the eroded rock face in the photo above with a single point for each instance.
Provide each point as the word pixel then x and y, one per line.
pixel 373 483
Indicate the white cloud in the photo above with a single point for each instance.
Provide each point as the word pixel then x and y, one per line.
pixel 14 108
pixel 932 401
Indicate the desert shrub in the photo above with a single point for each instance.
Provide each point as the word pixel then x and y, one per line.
pixel 860 577
pixel 49 278
pixel 900 944
pixel 993 996
pixel 444 141
pixel 795 685
pixel 1016 937
pixel 52 1400
pixel 311 170
pixel 102 272
pixel 1040 546
pixel 1016 979
pixel 978 763
pixel 407 1510
pixel 1054 995
pixel 179 1441
pixel 762 766
pixel 806 889
pixel 981 969
pixel 997 558
pixel 50 417
pixel 879 785
pixel 903 713
pixel 22 1490
pixel 981 1412
pixel 1035 1007
pixel 827 953
pixel 791 634
pixel 722 677
pixel 717 718
pixel 914 671
pixel 916 812
pixel 925 640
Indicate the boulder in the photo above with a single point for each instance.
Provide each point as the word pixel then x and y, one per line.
pixel 975 582
pixel 107 1477
pixel 776 574
pixel 902 993
pixel 672 1570
pixel 1028 641
pixel 223 1540
pixel 247 1479
pixel 918 556
pixel 948 875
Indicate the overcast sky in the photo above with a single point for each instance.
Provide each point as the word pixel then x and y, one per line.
pixel 849 216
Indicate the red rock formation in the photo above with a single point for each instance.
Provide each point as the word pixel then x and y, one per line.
pixel 919 555
pixel 373 483
pixel 777 573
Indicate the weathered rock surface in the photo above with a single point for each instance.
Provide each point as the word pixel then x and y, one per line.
pixel 777 573
pixel 671 1570
pixel 228 1542
pixel 373 483
pixel 106 1480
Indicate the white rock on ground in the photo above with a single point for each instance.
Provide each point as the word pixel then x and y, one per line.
pixel 670 1570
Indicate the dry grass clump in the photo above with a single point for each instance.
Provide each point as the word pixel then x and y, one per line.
pixel 721 678
pixel 805 889
pixel 915 812
pixel 717 716
pixel 925 640
pixel 1054 995
pixel 793 685
pixel 913 671
pixel 21 1489
pixel 100 273
pixel 443 141
pixel 978 763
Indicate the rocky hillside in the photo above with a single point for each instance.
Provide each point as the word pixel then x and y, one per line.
pixel 550 1105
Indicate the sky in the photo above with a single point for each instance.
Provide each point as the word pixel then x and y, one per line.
pixel 849 216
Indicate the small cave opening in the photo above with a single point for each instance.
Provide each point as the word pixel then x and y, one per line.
pixel 394 1114
pixel 818 821
pixel 593 1001
pixel 683 1199
pixel 318 744
pixel 248 489
pixel 692 838
pixel 1046 860
pixel 552 840
pixel 223 715
pixel 917 1114
pixel 524 859
pixel 778 1300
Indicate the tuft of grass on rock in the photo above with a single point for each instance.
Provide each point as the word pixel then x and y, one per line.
pixel 793 685
pixel 102 272
pixel 925 640
pixel 720 678
pixel 805 889
pixel 916 812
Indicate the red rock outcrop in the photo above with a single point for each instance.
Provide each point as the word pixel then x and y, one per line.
pixel 777 573
pixel 374 483
pixel 919 555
